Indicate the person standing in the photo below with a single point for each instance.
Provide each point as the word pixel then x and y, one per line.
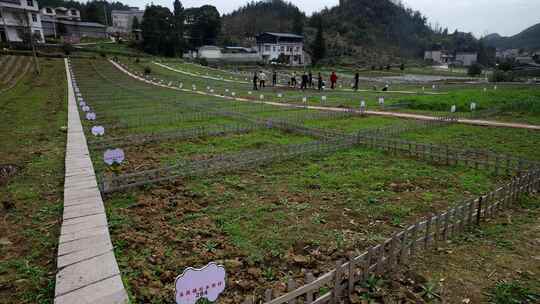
pixel 293 80
pixel 356 80
pixel 255 81
pixel 333 80
pixel 262 79
pixel 274 78
pixel 320 82
pixel 310 80
pixel 305 80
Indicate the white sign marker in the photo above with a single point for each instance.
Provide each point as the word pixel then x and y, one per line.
pixel 381 101
pixel 453 109
pixel 204 283
pixel 473 106
pixel 98 131
pixel 90 116
pixel 114 156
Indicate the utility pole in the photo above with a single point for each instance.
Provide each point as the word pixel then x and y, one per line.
pixel 105 13
pixel 31 37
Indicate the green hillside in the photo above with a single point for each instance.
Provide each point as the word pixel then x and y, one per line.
pixel 528 39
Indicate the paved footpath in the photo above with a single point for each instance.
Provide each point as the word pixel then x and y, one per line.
pixel 487 123
pixel 87 268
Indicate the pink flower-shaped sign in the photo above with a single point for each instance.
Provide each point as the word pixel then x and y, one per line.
pixel 113 156
pixel 98 130
pixel 90 116
pixel 194 284
pixel 86 108
pixel 82 104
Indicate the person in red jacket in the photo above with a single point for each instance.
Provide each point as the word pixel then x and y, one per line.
pixel 333 80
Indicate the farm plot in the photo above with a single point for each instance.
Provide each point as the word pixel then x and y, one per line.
pixel 12 70
pixel 295 190
pixel 269 223
pixel 513 103
pixel 244 88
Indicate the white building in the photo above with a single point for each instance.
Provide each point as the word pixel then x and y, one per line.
pixel 19 18
pixel 66 23
pixel 438 57
pixel 122 21
pixel 466 59
pixel 209 52
pixel 290 47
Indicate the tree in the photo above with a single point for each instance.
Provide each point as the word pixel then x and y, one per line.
pixel 474 70
pixel 136 25
pixel 298 24
pixel 205 25
pixel 179 27
pixel 158 31
pixel 319 45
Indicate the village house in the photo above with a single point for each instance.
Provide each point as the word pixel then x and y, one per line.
pixel 66 23
pixel 442 57
pixel 465 59
pixel 122 20
pixel 281 46
pixel 19 19
pixel 214 54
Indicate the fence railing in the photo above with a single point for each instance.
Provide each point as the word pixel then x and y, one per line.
pixel 338 284
pixel 442 154
pixel 191 133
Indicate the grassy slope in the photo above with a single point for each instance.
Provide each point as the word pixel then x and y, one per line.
pixel 32 114
pixel 498 263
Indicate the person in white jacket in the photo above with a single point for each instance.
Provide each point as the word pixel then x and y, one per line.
pixel 262 79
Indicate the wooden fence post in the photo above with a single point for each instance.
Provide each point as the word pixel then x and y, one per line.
pixel 392 254
pixel 336 293
pixel 414 238
pixel 268 295
pixel 309 295
pixel 404 248
pixel 291 285
pixel 352 276
pixel 446 222
pixel 437 230
pixel 366 264
pixel 471 213
pixel 428 233
pixel 380 259
pixel 479 211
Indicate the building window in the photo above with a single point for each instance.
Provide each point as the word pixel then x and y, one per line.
pixel 48 10
pixel 282 48
pixel 73 13
pixel 30 2
pixel 34 18
pixel 267 48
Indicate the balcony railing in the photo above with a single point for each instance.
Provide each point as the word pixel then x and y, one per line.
pixel 17 2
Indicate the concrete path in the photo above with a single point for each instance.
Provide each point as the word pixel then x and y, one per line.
pixel 486 123
pixel 87 268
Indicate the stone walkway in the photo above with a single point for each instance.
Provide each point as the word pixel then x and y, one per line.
pixel 87 268
pixel 487 123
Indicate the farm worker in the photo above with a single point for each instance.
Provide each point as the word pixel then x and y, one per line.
pixel 255 81
pixel 274 78
pixel 310 75
pixel 356 80
pixel 333 80
pixel 319 82
pixel 305 80
pixel 262 79
pixel 293 80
